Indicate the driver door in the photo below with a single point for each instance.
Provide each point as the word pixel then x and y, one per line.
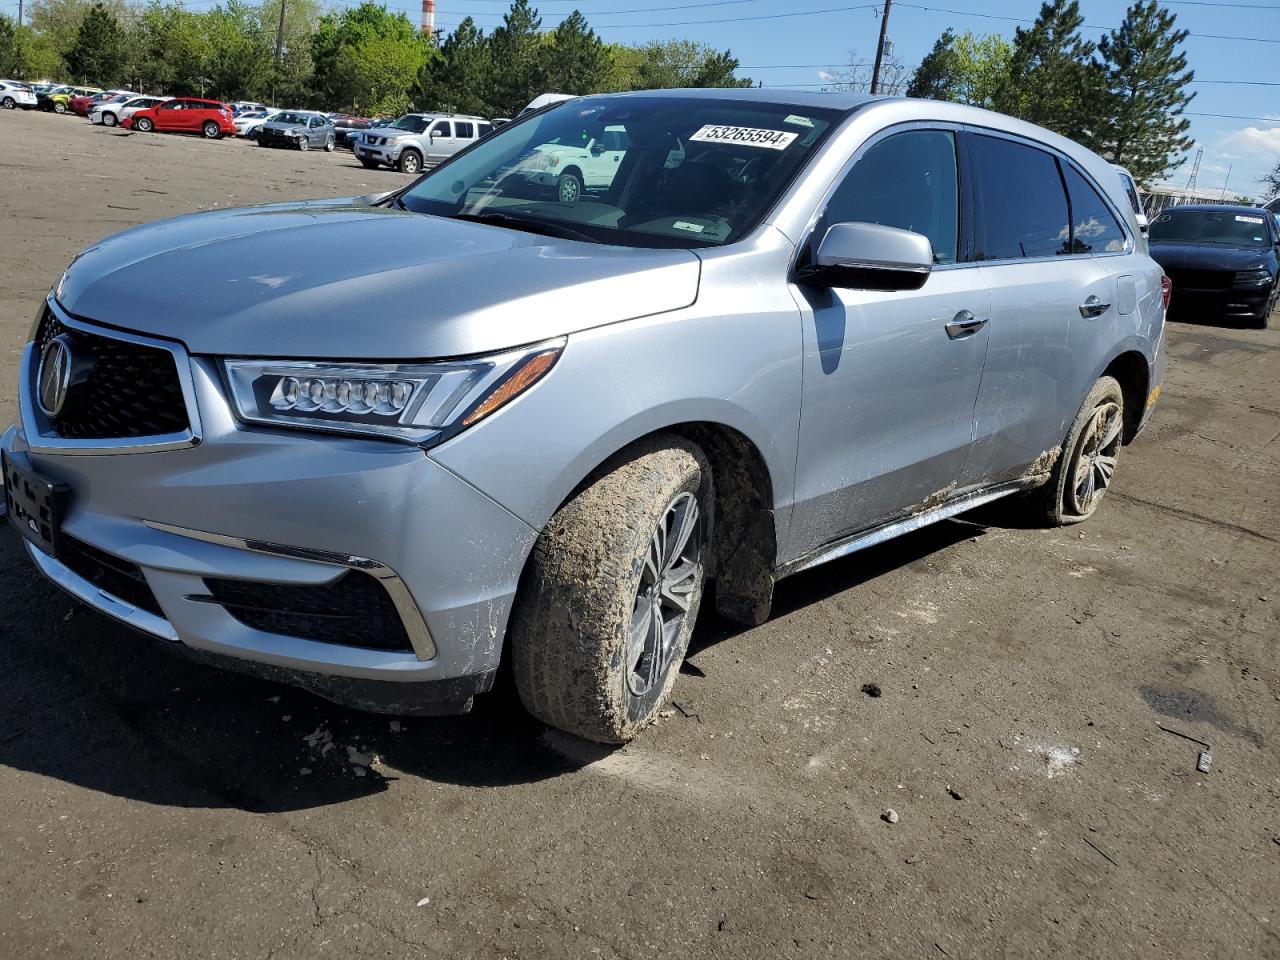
pixel 440 142
pixel 890 378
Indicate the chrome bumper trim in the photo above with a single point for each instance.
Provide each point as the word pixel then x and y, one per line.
pixel 101 601
pixel 416 627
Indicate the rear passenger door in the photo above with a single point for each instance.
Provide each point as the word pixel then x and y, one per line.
pixel 1049 287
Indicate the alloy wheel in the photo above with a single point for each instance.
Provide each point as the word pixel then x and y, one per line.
pixel 1096 458
pixel 667 579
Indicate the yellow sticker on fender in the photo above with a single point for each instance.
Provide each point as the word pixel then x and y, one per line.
pixel 746 136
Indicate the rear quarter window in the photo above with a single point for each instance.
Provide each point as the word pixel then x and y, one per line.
pixel 1094 228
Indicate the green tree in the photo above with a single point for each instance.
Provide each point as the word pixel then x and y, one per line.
pixel 11 64
pixel 168 48
pixel 665 64
pixel 58 21
pixel 967 68
pixel 1051 79
pixel 241 52
pixel 98 54
pixel 367 58
pixel 574 59
pixel 514 55
pixel 456 79
pixel 1145 79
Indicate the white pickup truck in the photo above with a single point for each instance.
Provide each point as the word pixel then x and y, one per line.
pixel 572 168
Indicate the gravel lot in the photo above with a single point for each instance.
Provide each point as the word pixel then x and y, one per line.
pixel 154 808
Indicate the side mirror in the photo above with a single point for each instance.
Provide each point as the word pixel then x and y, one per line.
pixel 870 256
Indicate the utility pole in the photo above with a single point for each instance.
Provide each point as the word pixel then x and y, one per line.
pixel 884 33
pixel 19 12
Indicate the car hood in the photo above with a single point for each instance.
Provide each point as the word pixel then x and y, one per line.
pixel 1207 256
pixel 282 127
pixel 343 279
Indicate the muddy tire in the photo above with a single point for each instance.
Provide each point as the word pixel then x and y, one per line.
pixel 1087 464
pixel 410 162
pixel 611 592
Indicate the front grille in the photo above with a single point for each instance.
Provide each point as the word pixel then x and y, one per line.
pixel 354 610
pixel 107 572
pixel 1201 279
pixel 132 391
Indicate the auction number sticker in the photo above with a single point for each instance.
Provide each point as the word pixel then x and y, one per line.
pixel 1255 220
pixel 747 136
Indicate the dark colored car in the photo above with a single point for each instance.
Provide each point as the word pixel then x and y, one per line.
pixel 301 131
pixel 1221 259
pixel 343 127
pixel 81 105
pixel 210 118
pixel 58 99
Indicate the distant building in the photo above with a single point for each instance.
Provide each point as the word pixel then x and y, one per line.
pixel 1158 197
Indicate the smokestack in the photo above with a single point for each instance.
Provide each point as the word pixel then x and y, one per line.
pixel 428 16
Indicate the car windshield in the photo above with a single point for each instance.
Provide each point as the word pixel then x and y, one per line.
pixel 413 124
pixel 1227 227
pixel 651 171
pixel 290 118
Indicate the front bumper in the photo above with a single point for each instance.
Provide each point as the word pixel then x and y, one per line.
pixel 388 154
pixel 1238 303
pixel 291 508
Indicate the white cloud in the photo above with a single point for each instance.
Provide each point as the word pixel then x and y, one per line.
pixel 1253 143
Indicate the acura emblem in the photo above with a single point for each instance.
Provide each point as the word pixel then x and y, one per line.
pixel 54 376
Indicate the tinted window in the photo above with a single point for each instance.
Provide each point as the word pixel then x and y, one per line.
pixel 464 129
pixel 441 129
pixel 615 138
pixel 1021 203
pixel 1094 228
pixel 485 129
pixel 907 181
pixel 1227 227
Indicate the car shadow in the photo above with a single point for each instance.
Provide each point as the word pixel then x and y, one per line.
pixel 92 703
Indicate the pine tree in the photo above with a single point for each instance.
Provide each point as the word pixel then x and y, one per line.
pixel 1052 80
pixel 1145 77
pixel 456 79
pixel 514 51
pixel 98 55
pixel 575 60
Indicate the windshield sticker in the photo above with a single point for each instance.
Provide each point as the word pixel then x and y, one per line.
pixel 798 121
pixel 1240 219
pixel 686 225
pixel 746 136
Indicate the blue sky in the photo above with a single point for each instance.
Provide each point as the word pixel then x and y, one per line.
pixel 792 49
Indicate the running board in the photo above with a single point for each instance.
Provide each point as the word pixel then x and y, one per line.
pixel 869 538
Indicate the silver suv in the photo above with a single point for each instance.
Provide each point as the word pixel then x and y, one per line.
pixel 418 141
pixel 402 437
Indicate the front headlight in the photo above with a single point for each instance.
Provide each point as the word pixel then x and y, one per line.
pixel 414 403
pixel 1253 278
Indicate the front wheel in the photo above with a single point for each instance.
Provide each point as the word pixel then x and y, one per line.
pixel 143 125
pixel 9 103
pixel 410 162
pixel 304 143
pixel 59 107
pixel 568 188
pixel 109 120
pixel 1087 462
pixel 611 593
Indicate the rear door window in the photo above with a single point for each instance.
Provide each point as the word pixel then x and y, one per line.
pixel 908 181
pixel 1094 228
pixel 465 130
pixel 1021 204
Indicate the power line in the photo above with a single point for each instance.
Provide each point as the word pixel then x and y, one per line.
pixel 761 16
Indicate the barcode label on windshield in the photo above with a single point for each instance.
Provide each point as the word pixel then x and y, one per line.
pixel 747 136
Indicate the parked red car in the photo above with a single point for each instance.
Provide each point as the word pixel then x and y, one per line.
pixel 212 118
pixel 82 104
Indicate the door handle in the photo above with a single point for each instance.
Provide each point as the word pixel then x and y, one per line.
pixel 1093 307
pixel 964 324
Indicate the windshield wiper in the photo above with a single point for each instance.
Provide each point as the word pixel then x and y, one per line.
pixel 549 229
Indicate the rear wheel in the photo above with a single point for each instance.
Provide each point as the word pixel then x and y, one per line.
pixel 211 130
pixel 144 124
pixel 1087 463
pixel 9 103
pixel 410 162
pixel 611 592
pixel 109 120
pixel 329 145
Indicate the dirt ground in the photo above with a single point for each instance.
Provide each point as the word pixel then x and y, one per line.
pixel 153 808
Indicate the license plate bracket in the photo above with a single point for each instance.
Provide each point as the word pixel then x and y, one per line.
pixel 35 505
